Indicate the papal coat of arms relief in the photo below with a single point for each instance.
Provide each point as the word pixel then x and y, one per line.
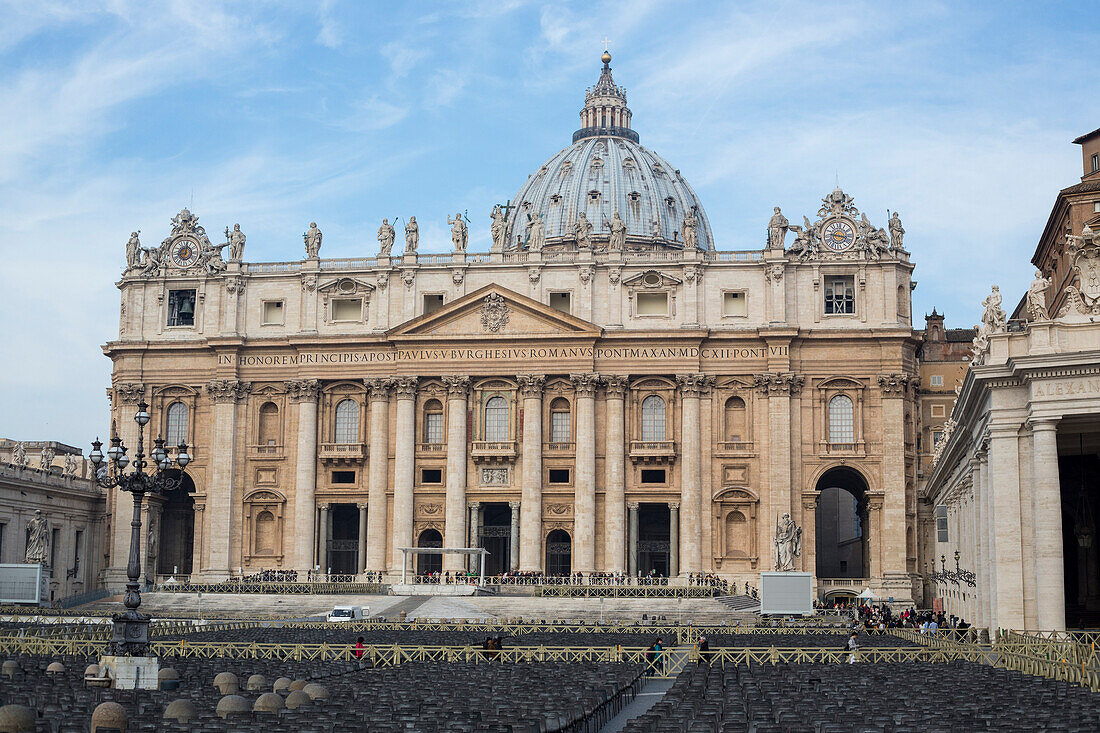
pixel 494 312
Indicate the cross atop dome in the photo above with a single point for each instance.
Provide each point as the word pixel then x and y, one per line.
pixel 605 112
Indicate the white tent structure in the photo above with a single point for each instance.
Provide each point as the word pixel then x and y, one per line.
pixel 867 595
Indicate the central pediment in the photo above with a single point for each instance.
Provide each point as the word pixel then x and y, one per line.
pixel 494 312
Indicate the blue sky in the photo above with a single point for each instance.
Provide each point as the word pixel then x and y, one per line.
pixel 272 114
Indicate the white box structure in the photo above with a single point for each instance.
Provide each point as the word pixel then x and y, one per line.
pixel 788 594
pixel 23 583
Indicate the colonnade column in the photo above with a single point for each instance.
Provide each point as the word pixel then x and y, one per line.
pixel 632 554
pixel 1047 518
pixel 987 578
pixel 322 550
pixel 614 522
pixel 530 550
pixel 378 476
pixel 473 561
pixel 584 496
pixel 1007 555
pixel 454 532
pixel 304 392
pixel 224 497
pixel 361 558
pixel 673 539
pixel 513 539
pixel 404 456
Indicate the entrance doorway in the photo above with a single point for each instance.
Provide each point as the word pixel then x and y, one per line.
pixel 343 545
pixel 495 535
pixel 559 549
pixel 426 564
pixel 842 542
pixel 177 529
pixel 1079 476
pixel 653 539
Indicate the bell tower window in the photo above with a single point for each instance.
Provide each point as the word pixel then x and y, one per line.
pixel 181 307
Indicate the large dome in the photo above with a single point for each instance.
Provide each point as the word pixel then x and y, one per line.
pixel 606 170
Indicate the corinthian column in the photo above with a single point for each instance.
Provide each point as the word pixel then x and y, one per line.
pixel 378 477
pixel 614 521
pixel 224 501
pixel 513 545
pixel 454 533
pixel 404 463
pixel 304 393
pixel 584 496
pixel 530 550
pixel 692 388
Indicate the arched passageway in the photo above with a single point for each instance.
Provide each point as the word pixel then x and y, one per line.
pixel 429 563
pixel 559 549
pixel 177 529
pixel 841 530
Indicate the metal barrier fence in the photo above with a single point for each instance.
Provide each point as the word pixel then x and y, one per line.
pixel 627 591
pixel 276 587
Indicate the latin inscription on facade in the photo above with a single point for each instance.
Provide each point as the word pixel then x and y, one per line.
pixel 1067 387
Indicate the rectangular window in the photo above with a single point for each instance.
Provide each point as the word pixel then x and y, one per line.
pixel 937 380
pixel 433 427
pixel 343 477
pixel 55 539
pixel 653 475
pixel 840 295
pixel 1096 208
pixel 181 307
pixel 559 427
pixel 941 524
pixel 561 302
pixel 936 436
pixel 431 475
pixel 273 313
pixel 937 411
pixel 78 543
pixel 432 302
pixel 734 303
pixel 347 309
pixel 652 304
pixel 558 476
pixel 1095 162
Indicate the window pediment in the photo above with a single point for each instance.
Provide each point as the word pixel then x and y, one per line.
pixel 652 279
pixel 348 286
pixel 265 496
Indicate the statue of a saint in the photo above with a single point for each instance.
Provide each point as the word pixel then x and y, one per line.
pixel 897 231
pixel 236 243
pixel 211 257
pixel 979 344
pixel 313 241
pixel 133 252
pixel 689 230
pixel 498 228
pixel 582 230
pixel 70 465
pixel 536 233
pixel 777 230
pixel 788 543
pixel 37 539
pixel 19 454
pixel 617 242
pixel 386 235
pixel 45 458
pixel 151 260
pixel 1037 298
pixel 993 316
pixel 412 235
pixel 458 232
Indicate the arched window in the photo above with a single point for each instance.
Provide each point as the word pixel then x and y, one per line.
pixel 265 533
pixel 347 421
pixel 269 424
pixel 842 426
pixel 653 418
pixel 496 419
pixel 735 420
pixel 176 429
pixel 433 422
pixel 561 430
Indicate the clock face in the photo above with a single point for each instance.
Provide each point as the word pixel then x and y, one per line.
pixel 185 252
pixel 838 235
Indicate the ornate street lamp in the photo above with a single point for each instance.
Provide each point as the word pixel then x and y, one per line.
pixel 131 628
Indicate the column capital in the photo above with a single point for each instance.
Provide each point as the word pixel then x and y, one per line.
pixel 130 393
pixel 362 506
pixel 674 506
pixel 303 390
pixel 200 507
pixel 457 386
pixel 615 385
pixel 632 506
pixel 530 385
pixel 513 505
pixel 694 385
pixel 379 387
pixel 473 504
pixel 894 385
pixel 227 390
pixel 1043 423
pixel 584 385
pixel 324 507
pixel 778 383
pixel 404 388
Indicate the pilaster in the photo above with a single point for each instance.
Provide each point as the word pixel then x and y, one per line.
pixel 584 499
pixel 404 467
pixel 454 533
pixel 224 499
pixel 614 524
pixel 304 392
pixel 378 476
pixel 530 558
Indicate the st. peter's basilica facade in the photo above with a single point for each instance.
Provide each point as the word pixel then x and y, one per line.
pixel 605 389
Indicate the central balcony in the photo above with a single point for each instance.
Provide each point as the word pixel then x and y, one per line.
pixel 653 451
pixel 493 451
pixel 337 453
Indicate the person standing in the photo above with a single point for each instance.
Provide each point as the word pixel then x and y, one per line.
pixel 853 647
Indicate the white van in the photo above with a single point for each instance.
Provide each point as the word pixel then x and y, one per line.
pixel 346 613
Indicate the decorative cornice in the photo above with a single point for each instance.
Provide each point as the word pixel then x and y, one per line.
pixel 379 387
pixel 130 393
pixel 227 390
pixel 530 385
pixel 782 383
pixel 404 388
pixel 584 385
pixel 457 386
pixel 615 385
pixel 303 390
pixel 893 385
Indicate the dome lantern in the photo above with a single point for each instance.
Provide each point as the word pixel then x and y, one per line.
pixel 605 112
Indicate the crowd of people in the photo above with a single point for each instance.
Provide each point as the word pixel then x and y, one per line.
pixel 652 578
pixel 869 616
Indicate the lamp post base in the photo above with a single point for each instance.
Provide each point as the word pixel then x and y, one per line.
pixel 131 673
pixel 131 634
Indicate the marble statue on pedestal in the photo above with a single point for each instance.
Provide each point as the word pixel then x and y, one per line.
pixel 690 230
pixel 45 459
pixel 1037 298
pixel 459 233
pixel 70 465
pixel 386 235
pixel 313 241
pixel 788 543
pixel 498 228
pixel 897 231
pixel 412 235
pixel 133 252
pixel 582 230
pixel 236 243
pixel 38 539
pixel 993 316
pixel 617 242
pixel 536 233
pixel 777 230
pixel 19 454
